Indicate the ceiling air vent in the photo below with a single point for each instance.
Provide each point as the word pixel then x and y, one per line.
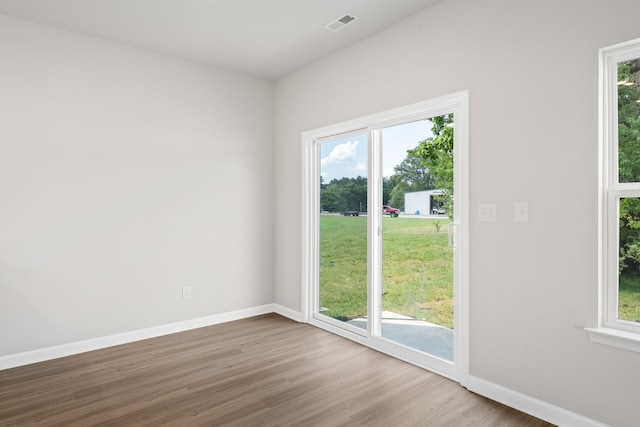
pixel 340 23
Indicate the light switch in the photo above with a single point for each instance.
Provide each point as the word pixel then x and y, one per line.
pixel 487 212
pixel 521 212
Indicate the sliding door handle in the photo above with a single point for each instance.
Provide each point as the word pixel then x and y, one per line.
pixel 452 235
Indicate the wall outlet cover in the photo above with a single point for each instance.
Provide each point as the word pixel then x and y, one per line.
pixel 487 212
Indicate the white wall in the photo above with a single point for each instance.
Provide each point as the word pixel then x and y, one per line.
pixel 532 72
pixel 125 175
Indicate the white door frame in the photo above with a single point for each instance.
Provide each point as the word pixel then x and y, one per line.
pixel 458 104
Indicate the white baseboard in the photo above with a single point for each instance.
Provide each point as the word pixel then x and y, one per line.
pixel 287 312
pixel 527 404
pixel 48 353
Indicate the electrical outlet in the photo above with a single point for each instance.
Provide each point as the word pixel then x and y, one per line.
pixel 186 292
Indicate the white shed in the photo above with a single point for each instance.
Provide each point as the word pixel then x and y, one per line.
pixel 421 202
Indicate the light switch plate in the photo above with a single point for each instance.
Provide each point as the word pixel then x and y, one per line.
pixel 487 212
pixel 521 212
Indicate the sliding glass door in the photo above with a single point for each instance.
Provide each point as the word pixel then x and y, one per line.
pixel 417 295
pixel 384 227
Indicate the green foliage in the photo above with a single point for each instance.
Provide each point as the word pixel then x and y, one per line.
pixel 628 122
pixel 388 185
pixel 629 260
pixel 397 195
pixel 629 171
pixel 410 175
pixel 414 173
pixel 629 165
pixel 344 194
pixel 437 154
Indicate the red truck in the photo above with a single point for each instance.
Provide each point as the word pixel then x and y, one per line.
pixel 392 212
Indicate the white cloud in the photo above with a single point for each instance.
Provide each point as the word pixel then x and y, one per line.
pixel 362 166
pixel 340 153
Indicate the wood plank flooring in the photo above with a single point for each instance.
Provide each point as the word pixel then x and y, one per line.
pixel 261 371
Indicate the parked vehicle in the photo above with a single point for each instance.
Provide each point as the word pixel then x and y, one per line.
pixel 392 212
pixel 351 213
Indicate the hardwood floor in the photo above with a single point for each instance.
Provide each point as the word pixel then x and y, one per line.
pixel 261 371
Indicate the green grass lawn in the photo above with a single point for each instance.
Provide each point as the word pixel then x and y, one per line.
pixel 417 272
pixel 629 298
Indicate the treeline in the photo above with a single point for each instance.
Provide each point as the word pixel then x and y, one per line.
pixel 344 194
pixel 350 194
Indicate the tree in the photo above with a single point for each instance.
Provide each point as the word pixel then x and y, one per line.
pixel 331 199
pixel 629 165
pixel 437 155
pixel 388 184
pixel 355 193
pixel 396 198
pixel 629 121
pixel 410 175
pixel 414 173
pixel 344 194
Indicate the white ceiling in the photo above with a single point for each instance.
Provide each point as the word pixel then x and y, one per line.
pixel 264 38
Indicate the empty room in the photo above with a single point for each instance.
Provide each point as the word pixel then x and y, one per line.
pixel 320 212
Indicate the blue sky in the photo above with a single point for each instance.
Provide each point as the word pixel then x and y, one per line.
pixel 347 157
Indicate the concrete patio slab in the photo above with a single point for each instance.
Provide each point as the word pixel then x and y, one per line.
pixel 418 334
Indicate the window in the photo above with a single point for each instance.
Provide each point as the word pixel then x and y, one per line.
pixel 619 197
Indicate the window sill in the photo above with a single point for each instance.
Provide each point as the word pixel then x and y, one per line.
pixel 614 338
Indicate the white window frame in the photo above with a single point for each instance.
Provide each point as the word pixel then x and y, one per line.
pixel 611 330
pixel 458 104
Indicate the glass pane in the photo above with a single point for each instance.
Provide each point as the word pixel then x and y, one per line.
pixel 629 121
pixel 629 260
pixel 417 262
pixel 343 230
